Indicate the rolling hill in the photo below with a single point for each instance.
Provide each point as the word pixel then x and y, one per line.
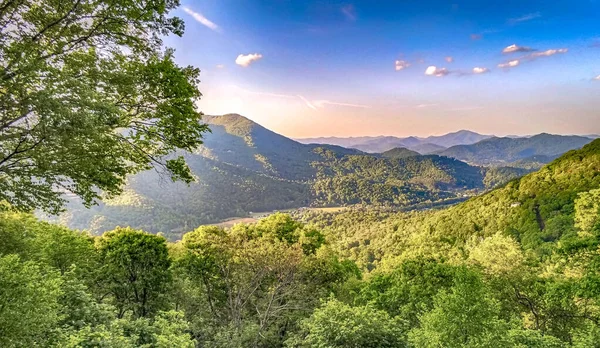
pixel 399 152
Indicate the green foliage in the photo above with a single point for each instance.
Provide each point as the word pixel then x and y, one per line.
pixel 29 307
pixel 464 316
pixel 135 270
pixel 89 95
pixel 336 324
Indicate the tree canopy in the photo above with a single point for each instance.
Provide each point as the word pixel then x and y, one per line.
pixel 88 95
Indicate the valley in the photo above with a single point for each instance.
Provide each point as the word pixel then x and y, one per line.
pixel 243 167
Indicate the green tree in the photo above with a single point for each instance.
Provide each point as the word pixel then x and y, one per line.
pixel 135 270
pixel 337 324
pixel 29 307
pixel 89 95
pixel 464 316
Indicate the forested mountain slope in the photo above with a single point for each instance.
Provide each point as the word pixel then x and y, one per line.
pixel 538 210
pixel 541 148
pixel 243 167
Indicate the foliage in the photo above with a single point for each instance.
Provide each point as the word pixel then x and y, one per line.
pixel 135 270
pixel 87 96
pixel 29 308
pixel 336 324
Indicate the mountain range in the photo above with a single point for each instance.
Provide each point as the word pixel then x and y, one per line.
pixel 243 167
pixel 380 144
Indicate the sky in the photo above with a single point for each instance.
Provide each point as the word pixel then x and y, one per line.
pixel 367 68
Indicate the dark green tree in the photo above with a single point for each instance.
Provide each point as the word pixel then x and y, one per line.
pixel 88 95
pixel 135 271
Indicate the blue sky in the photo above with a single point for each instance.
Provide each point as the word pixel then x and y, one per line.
pixel 351 68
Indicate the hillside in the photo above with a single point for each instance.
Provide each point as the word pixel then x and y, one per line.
pixel 541 148
pixel 399 152
pixel 243 167
pixel 538 210
pixel 427 148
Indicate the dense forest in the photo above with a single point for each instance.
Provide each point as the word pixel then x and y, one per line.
pixel 521 261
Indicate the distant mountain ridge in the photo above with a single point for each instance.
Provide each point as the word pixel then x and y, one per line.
pixel 436 144
pixel 541 148
pixel 384 143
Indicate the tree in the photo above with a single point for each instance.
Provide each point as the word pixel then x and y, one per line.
pixel 464 316
pixel 88 95
pixel 337 324
pixel 135 270
pixel 29 307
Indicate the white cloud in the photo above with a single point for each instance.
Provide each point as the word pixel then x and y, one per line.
pixel 349 12
pixel 247 59
pixel 478 70
pixel 220 66
pixel 597 78
pixel 434 71
pixel 547 53
pixel 203 20
pixel 525 18
pixel 509 64
pixel 515 48
pixel 401 64
pixel 449 59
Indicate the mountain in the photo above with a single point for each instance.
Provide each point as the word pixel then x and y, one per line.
pixel 243 167
pixel 540 148
pixel 462 137
pixel 400 152
pixel 427 148
pixel 384 143
pixel 538 209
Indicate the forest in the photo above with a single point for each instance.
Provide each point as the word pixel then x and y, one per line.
pixel 521 261
pixel 94 109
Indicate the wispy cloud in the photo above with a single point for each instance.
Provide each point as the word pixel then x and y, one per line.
pixel 509 64
pixel 515 48
pixel 435 71
pixel 201 19
pixel 322 103
pixel 312 104
pixel 401 64
pixel 246 59
pixel 525 18
pixel 449 59
pixel 308 103
pixel 475 37
pixel 422 106
pixel 220 66
pixel 597 78
pixel 349 12
pixel 546 53
pixel 532 56
pixel 478 70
